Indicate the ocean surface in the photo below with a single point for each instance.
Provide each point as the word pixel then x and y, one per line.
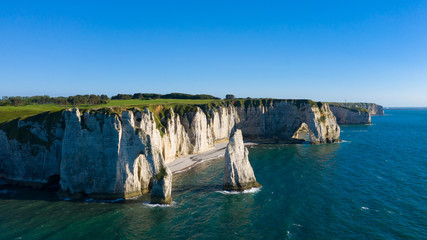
pixel 373 185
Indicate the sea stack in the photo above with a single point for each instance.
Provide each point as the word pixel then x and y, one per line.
pixel 162 186
pixel 238 172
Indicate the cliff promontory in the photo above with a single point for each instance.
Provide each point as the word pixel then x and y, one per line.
pixel 347 115
pixel 355 113
pixel 373 109
pixel 121 152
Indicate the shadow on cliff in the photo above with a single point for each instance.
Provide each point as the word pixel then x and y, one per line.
pixel 27 191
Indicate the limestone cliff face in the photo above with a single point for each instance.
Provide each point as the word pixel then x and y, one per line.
pixel 23 161
pixel 119 154
pixel 238 172
pixel 111 156
pixel 373 109
pixel 282 120
pixel 195 132
pixel 346 115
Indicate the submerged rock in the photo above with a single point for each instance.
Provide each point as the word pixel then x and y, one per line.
pixel 162 187
pixel 238 172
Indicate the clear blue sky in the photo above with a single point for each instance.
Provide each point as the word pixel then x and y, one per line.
pixel 374 51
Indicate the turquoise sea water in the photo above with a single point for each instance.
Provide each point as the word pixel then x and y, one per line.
pixel 371 186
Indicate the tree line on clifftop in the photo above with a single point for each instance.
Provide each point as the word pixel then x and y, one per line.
pixel 93 99
pixel 149 96
pixel 71 100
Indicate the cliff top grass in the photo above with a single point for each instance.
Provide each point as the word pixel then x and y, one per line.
pixel 8 113
pixel 180 106
pixel 355 107
pixel 353 104
pixel 160 107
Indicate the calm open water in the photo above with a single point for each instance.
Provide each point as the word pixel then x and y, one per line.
pixel 372 186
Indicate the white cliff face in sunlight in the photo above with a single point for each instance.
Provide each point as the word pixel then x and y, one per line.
pixel 117 154
pixel 238 172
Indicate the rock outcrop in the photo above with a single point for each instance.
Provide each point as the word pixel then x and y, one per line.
pixel 346 115
pixel 238 172
pixel 162 187
pixel 114 153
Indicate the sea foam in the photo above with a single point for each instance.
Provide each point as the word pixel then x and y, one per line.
pixel 151 205
pixel 252 190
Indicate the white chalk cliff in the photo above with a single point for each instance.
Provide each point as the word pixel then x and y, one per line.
pixel 238 172
pixel 346 115
pixel 110 154
pixel 372 108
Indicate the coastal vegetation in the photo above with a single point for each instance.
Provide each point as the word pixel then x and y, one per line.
pixel 9 112
pixel 354 107
pixel 23 107
pixel 71 100
pixel 162 174
pixel 150 96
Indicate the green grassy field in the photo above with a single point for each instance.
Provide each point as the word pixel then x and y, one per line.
pixel 180 106
pixel 8 113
